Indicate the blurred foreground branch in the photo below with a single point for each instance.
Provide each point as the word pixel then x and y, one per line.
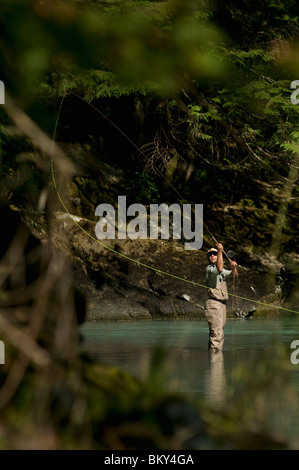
pixel 39 138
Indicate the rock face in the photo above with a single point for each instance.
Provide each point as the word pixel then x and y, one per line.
pixel 144 279
pixel 153 279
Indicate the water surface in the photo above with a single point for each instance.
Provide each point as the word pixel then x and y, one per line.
pixel 190 368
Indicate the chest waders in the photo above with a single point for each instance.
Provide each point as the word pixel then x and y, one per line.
pixel 215 313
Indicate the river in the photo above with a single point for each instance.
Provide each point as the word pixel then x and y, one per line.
pixel 256 360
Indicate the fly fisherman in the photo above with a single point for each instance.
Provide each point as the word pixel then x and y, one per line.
pixel 215 310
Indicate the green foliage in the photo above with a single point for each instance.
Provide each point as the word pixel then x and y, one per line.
pixel 144 42
pixel 199 120
pixel 94 84
pixel 207 84
pixel 143 188
pixel 227 112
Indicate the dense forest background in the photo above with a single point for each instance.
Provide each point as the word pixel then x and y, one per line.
pixel 162 101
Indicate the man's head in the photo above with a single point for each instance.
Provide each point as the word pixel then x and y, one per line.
pixel 212 255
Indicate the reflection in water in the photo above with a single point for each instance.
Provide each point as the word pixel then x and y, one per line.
pixel 215 378
pixel 189 365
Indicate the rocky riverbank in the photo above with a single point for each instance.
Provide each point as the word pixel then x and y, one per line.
pixel 157 279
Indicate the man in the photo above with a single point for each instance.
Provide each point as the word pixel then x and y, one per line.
pixel 215 310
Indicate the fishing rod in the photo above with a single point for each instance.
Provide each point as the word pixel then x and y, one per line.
pixel 230 254
pixel 140 151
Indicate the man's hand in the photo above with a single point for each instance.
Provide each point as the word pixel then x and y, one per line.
pixel 219 246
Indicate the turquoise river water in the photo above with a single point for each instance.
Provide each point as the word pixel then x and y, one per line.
pixel 256 358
